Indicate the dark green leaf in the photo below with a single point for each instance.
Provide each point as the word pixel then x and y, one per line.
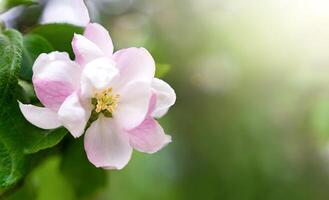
pixel 75 165
pixel 10 58
pixel 33 46
pixel 12 160
pixel 21 191
pixel 42 139
pixel 59 35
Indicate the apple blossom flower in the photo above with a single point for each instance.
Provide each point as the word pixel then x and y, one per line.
pixel 65 11
pixel 113 98
pixel 71 11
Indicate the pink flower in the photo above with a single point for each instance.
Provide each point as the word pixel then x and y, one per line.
pixel 119 88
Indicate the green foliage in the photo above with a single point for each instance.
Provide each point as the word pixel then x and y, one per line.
pixel 59 35
pixel 162 70
pixel 33 46
pixel 41 139
pixel 25 192
pixel 12 160
pixel 75 166
pixel 18 138
pixel 65 176
pixel 7 4
pixel 46 182
pixel 50 184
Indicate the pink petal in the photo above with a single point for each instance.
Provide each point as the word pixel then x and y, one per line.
pixel 66 11
pixel 85 50
pixel 52 93
pixel 73 115
pixel 41 117
pixel 55 77
pixel 148 137
pixel 106 145
pixel 135 64
pixel 99 36
pixel 165 97
pixel 133 104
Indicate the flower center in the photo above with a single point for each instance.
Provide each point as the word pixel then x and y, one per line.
pixel 105 101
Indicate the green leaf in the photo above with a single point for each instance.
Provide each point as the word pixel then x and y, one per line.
pixel 7 4
pixel 25 191
pixel 42 139
pixel 12 162
pixel 162 70
pixel 10 58
pixel 33 46
pixel 59 35
pixel 75 165
pixel 17 136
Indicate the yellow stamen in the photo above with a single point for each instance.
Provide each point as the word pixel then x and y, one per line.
pixel 106 100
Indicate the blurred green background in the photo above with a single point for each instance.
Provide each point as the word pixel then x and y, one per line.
pixel 251 121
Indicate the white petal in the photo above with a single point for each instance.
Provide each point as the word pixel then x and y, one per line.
pixel 73 115
pixel 56 66
pixel 97 75
pixel 66 11
pixel 41 117
pixel 133 104
pixel 107 146
pixel 165 97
